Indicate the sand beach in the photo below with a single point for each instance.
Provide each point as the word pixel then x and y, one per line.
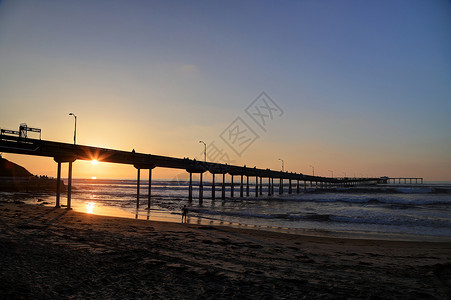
pixel 49 253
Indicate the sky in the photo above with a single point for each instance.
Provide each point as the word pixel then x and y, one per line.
pixel 342 88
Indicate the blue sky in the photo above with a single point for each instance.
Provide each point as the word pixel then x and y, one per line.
pixel 364 85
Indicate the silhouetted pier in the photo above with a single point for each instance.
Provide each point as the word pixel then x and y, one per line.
pixel 68 153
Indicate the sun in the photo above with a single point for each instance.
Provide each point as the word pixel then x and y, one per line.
pixel 93 177
pixel 94 161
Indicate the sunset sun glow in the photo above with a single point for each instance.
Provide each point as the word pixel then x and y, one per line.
pixel 90 207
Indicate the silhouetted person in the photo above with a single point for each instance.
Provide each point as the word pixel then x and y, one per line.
pixel 184 213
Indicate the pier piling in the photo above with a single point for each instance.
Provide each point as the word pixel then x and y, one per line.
pixel 190 188
pixel 58 185
pixel 223 187
pixel 247 185
pixel 256 186
pixel 269 186
pixel 280 186
pixel 241 186
pixel 261 186
pixel 69 186
pixel 138 187
pixel 149 191
pixel 213 187
pixel 201 189
pixel 272 185
pixel 231 186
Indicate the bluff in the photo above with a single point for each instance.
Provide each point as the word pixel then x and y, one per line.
pixel 10 169
pixel 15 178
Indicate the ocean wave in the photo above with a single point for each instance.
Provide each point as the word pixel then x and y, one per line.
pixel 395 201
pixel 415 190
pixel 377 201
pixel 314 217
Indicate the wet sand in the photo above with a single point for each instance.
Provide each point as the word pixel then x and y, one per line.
pixel 48 253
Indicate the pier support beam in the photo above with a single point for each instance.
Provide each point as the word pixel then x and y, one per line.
pixel 280 186
pixel 272 186
pixel 305 186
pixel 138 181
pixel 190 188
pixel 256 186
pixel 201 189
pixel 58 185
pixel 140 167
pixel 269 186
pixel 149 190
pixel 290 187
pixel 247 186
pixel 297 187
pixel 241 187
pixel 223 187
pixel 261 186
pixel 69 186
pixel 231 186
pixel 59 161
pixel 213 187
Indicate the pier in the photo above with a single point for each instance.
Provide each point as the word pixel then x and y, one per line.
pixel 69 153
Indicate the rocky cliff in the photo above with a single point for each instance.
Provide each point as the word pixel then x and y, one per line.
pixel 14 178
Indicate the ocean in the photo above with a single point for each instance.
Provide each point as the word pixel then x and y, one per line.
pixel 395 212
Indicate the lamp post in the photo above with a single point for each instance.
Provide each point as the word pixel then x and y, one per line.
pixel 283 168
pixel 205 150
pixel 313 168
pixel 75 129
pixel 332 173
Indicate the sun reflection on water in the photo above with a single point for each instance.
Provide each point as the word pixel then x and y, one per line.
pixel 90 207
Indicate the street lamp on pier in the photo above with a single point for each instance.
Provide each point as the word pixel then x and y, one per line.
pixel 283 168
pixel 205 150
pixel 332 173
pixel 75 129
pixel 313 168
